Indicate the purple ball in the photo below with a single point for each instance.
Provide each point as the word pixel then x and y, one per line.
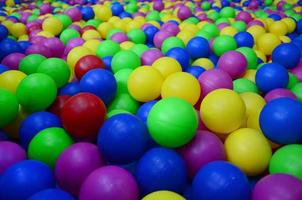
pixel 297 71
pixel 119 37
pixel 214 79
pixel 75 27
pixel 202 16
pixel 56 46
pixel 12 60
pixel 39 49
pixel 150 56
pixel 45 8
pixel 75 164
pixel 234 63
pixel 279 93
pixel 74 13
pixel 110 182
pixel 184 13
pixel 158 5
pixel 222 25
pixel 255 22
pixel 171 28
pixel 204 148
pixel 160 36
pixel 139 14
pixel 244 16
pixel 278 187
pixel 75 42
pixel 38 39
pixel 11 153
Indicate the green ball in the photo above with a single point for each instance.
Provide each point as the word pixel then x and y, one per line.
pixel 296 16
pixel 287 160
pixel 244 85
pixel 29 64
pixel 287 6
pixel 139 49
pixel 132 8
pixel 36 11
pixel 112 31
pixel 212 29
pixel 124 102
pixel 250 56
pixel 48 145
pixel 36 92
pixel 268 2
pixel 153 16
pixel 172 122
pixel 292 81
pixel 121 78
pixel 213 15
pixel 192 20
pixel 205 35
pixel 125 59
pixel 57 69
pixel 9 107
pixel 239 26
pixel 205 6
pixel 116 112
pixel 297 90
pixel 222 20
pixel 170 43
pixel 93 22
pixel 69 34
pixel 107 48
pixel 65 20
pixel 137 36
pixel 227 12
pixel 32 18
pixel 223 44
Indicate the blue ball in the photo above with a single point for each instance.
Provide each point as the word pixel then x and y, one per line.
pixel 299 26
pixel 24 45
pixel 87 13
pixel 3 68
pixel 70 89
pixel 287 54
pixel 244 39
pixel 51 194
pixel 9 46
pixel 181 55
pixel 220 180
pixel 3 32
pixel 271 76
pixel 150 31
pixel 196 71
pixel 144 110
pixel 117 8
pixel 35 123
pixel 123 139
pixel 214 58
pixel 161 169
pixel 280 121
pixel 125 15
pixel 198 47
pixel 25 178
pixel 225 3
pixel 100 82
pixel 275 17
pixel 107 61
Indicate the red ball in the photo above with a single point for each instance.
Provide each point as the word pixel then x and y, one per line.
pixel 86 64
pixel 58 104
pixel 83 114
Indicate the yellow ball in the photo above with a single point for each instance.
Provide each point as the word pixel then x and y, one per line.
pixel 229 30
pixel 144 83
pixel 23 38
pixel 278 28
pixel 253 120
pixel 76 54
pixel 182 85
pixel 92 45
pixel 192 28
pixel 163 195
pixel 256 31
pixel 113 19
pixel 284 39
pixel 290 23
pixel 133 25
pixel 105 28
pixel 249 150
pixel 185 36
pixel 127 45
pixel 204 63
pixel 261 55
pixel 267 43
pixel 18 29
pixel 102 12
pixel 200 25
pixel 253 102
pixel 250 74
pixel 91 34
pixel 45 34
pixel 222 111
pixel 8 25
pixel 167 66
pixel 11 79
pixel 121 25
pixel 52 25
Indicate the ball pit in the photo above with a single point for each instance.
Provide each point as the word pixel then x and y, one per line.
pixel 152 100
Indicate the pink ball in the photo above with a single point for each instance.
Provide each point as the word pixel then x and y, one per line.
pixel 160 36
pixel 279 93
pixel 214 79
pixel 202 16
pixel 39 49
pixel 74 13
pixel 109 182
pixel 297 71
pixel 119 37
pixel 12 60
pixel 234 63
pixel 11 153
pixel 150 56
pixel 244 16
pixel 204 148
pixel 38 40
pixel 222 25
pixel 75 164
pixel 171 28
pixel 184 12
pixel 75 42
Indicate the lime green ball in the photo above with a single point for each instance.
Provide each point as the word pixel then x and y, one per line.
pixel 65 20
pixel 36 92
pixel 192 20
pixel 69 34
pixel 292 81
pixel 222 20
pixel 205 35
pixel 9 107
pixel 287 6
pixel 213 15
pixel 107 48
pixel 153 16
pixel 172 122
pixel 205 6
pixel 170 43
pixel 125 59
pixel 297 90
pixel 12 37
pixel 244 85
pixel 57 69
pixel 227 12
pixel 124 102
pixel 121 78
pixel 212 29
pixel 289 12
pixel 17 15
pixel 36 11
pixel 116 112
pixel 115 30
pixel 250 56
pixel 223 44
pixel 287 160
pixel 296 16
pixel 268 2
pixel 139 49
pixel 32 18
pixel 48 145
pixel 29 64
pixel 93 22
pixel 239 26
pixel 137 36
pixel 132 8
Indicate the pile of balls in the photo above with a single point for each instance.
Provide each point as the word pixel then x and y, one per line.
pixel 151 100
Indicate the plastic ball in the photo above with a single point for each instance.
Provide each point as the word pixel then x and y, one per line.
pixel 267 43
pixel 52 25
pixel 9 46
pixel 69 34
pixel 222 111
pixel 87 13
pixel 145 83
pixel 163 195
pixel 125 59
pixel 70 89
pixel 39 49
pixel 161 169
pixel 181 55
pixel 279 121
pixel 75 164
pixel 184 12
pixel 87 63
pixel 150 56
pixel 150 32
pixel 91 34
pixel 137 36
pixel 51 194
pixel 278 28
pixel 196 71
pixel 3 68
pixel 3 32
pixel 244 39
pixel 293 80
pixel 253 102
pixel 271 76
pixel 107 48
pixel 244 85
pixel 109 182
pixel 287 54
pixel 223 44
pixel 121 78
pixel 220 180
pixel 162 117
pixel 279 93
pixel 297 89
pixel 76 54
pixel 250 55
pixel 11 79
pixel 144 110
pixel 28 177
pixel 56 46
pixel 125 102
pixel 12 60
pixel 198 47
pixel 139 49
pixel 102 12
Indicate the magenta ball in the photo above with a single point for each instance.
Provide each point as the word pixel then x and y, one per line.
pixel 74 13
pixel 279 93
pixel 10 153
pixel 297 71
pixel 75 27
pixel 119 37
pixel 202 16
pixel 39 49
pixel 56 46
pixel 158 5
pixel 214 79
pixel 45 8
pixel 160 36
pixel 75 42
pixel 253 5
pixel 278 187
pixel 204 148
pixel 255 22
pixel 12 60
pixel 150 56
pixel 75 164
pixel 222 25
pixel 38 39
pixel 244 16
pixel 171 28
pixel 184 13
pixel 234 63
pixel 110 182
